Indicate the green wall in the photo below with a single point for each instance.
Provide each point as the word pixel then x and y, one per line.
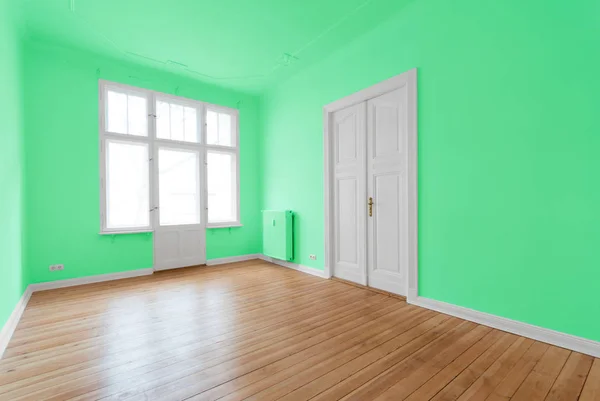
pixel 508 155
pixel 13 279
pixel 62 191
pixel 509 151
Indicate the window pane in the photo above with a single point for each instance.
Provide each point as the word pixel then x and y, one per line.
pixel 163 121
pixel 212 133
pixel 176 122
pixel 219 129
pixel 179 186
pixel 127 194
pixel 225 134
pixel 126 114
pixel 222 187
pixel 116 112
pixel 190 125
pixel 137 115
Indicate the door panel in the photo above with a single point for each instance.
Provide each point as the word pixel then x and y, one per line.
pixel 348 231
pixel 346 138
pixel 167 246
pixel 189 241
pixel 386 184
pixel 386 135
pixel 387 223
pixel 349 144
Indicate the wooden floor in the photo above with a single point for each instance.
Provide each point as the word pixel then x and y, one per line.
pixel 256 331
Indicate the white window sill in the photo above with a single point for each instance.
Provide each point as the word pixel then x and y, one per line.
pixel 223 225
pixel 208 227
pixel 126 232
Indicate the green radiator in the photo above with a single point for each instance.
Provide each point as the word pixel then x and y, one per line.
pixel 278 234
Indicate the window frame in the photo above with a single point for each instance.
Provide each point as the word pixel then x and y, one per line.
pixel 220 149
pixel 154 143
pixel 235 150
pixel 104 189
pixel 127 90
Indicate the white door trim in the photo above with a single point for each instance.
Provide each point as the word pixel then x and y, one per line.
pixel 408 79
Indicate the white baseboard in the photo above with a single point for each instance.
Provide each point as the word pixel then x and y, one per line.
pixel 52 285
pixel 13 320
pixel 232 259
pixel 557 338
pixel 295 266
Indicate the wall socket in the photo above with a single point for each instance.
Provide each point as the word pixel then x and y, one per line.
pixel 54 268
pixel 313 257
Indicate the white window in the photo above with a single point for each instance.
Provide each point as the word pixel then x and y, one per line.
pixel 166 161
pixel 127 185
pixel 126 113
pixel 220 128
pixel 176 122
pixel 222 186
pixel 222 165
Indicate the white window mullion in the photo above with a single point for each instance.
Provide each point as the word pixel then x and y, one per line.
pixel 201 123
pixel 152 185
pixel 127 114
pixel 102 181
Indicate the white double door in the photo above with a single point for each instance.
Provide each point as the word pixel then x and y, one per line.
pixel 179 218
pixel 370 192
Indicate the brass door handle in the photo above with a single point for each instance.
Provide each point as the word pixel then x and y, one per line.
pixel 370 206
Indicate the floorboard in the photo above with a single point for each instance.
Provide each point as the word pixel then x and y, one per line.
pixel 256 331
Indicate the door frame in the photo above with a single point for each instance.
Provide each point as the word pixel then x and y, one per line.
pixel 409 80
pixel 155 184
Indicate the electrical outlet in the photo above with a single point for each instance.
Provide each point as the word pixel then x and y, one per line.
pixel 54 268
pixel 313 257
